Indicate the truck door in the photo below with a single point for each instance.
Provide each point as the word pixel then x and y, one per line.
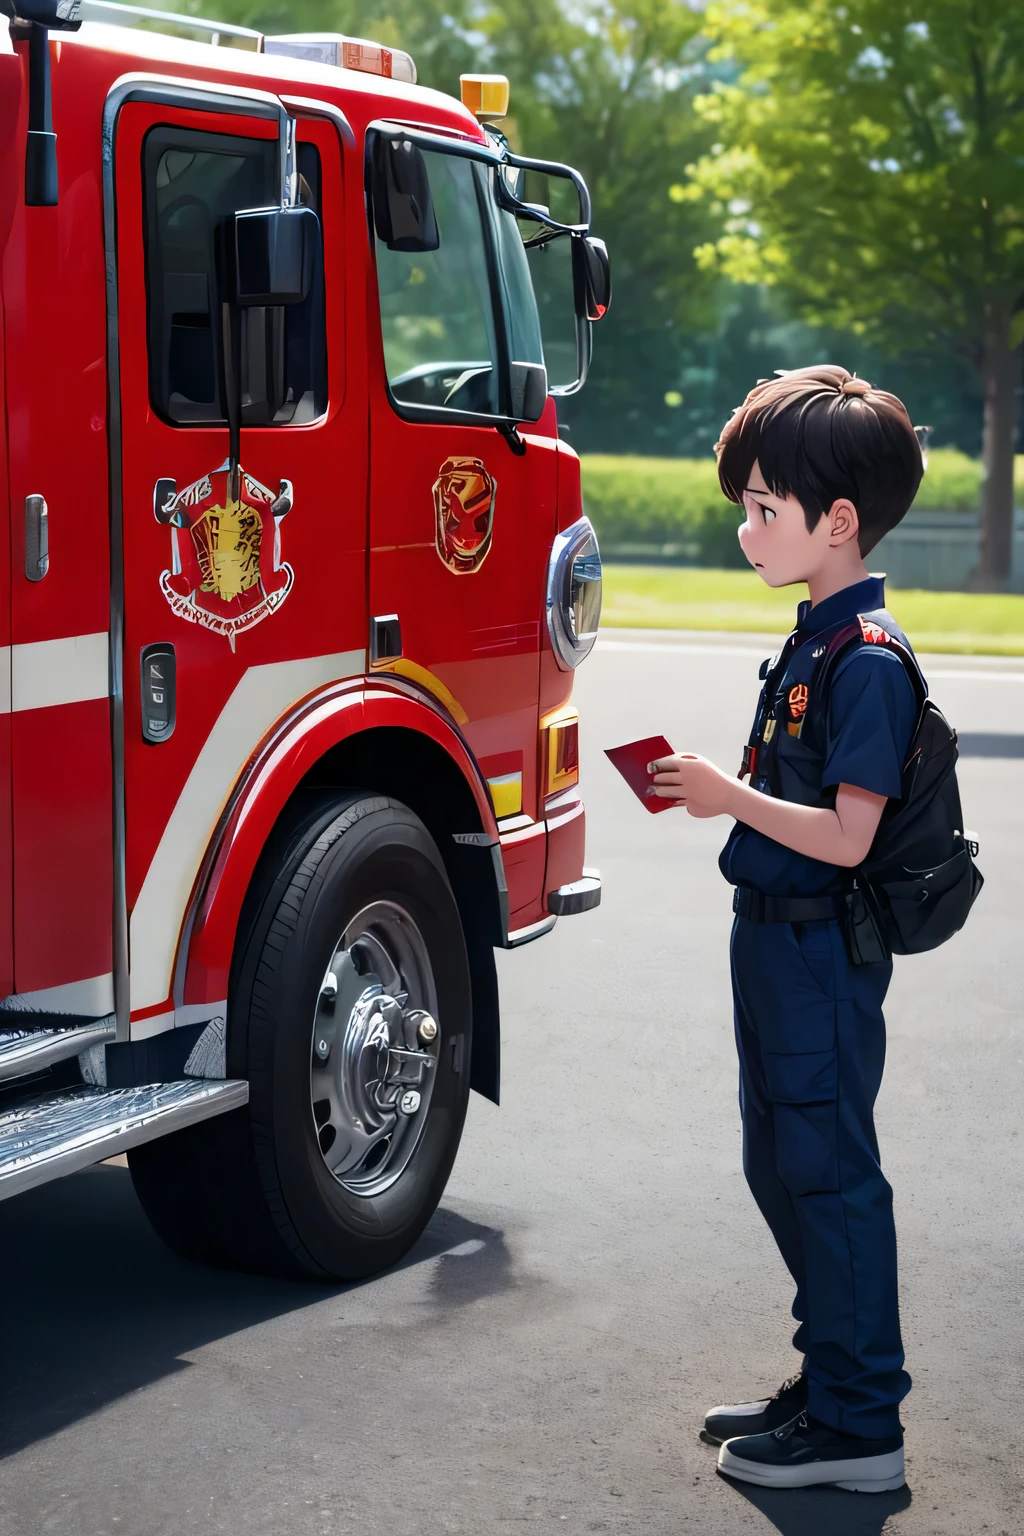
pixel 56 841
pixel 233 608
pixel 6 863
pixel 462 515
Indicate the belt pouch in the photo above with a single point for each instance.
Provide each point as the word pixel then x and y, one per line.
pixel 862 928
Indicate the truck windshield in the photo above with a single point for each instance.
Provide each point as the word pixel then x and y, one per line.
pixel 450 316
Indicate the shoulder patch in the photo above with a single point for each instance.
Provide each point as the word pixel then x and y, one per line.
pixel 873 634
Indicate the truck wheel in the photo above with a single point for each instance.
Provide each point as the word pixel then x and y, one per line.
pixel 351 1018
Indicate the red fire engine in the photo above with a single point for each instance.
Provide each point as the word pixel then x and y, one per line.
pixel 298 576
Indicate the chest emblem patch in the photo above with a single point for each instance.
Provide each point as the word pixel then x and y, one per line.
pixel 797 700
pixel 226 569
pixel 464 495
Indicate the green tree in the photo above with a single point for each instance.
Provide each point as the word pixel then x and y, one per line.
pixel 869 159
pixel 610 89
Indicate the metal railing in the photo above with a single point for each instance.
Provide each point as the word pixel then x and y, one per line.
pixel 118 15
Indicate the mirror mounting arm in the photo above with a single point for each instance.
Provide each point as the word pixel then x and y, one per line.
pixel 40 17
pixel 510 433
pixel 231 377
pixel 41 142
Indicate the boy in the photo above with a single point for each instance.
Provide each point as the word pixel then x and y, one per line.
pixel 822 465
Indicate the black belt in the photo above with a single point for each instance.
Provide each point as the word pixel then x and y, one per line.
pixel 756 907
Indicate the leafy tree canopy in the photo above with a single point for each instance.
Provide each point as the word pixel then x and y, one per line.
pixel 869 162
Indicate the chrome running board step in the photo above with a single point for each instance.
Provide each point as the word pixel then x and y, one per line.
pixel 66 1131
pixel 29 1050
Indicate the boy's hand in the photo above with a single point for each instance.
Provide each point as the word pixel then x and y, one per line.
pixel 692 781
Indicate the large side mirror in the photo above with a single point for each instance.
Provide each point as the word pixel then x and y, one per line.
pixel 274 252
pixel 58 15
pixel 529 390
pixel 595 276
pixel 403 208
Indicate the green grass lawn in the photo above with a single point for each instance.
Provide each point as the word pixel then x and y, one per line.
pixel 672 597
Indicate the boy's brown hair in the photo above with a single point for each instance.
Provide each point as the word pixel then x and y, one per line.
pixel 822 435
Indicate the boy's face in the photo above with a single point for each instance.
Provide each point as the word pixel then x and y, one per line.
pixel 774 536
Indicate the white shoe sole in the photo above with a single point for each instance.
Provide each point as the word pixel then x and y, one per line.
pixel 737 1410
pixel 732 1411
pixel 861 1474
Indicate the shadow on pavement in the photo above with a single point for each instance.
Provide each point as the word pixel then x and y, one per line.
pixel 96 1306
pixel 815 1511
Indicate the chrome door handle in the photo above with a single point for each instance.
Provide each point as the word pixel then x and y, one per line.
pixel 37 538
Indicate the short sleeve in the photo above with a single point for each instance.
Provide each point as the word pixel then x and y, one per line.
pixel 871 716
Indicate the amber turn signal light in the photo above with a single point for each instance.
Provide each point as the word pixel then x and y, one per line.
pixel 562 751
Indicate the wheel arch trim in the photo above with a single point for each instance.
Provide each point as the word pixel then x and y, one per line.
pixel 299 741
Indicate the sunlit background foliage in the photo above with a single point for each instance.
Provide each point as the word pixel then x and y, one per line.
pixel 779 183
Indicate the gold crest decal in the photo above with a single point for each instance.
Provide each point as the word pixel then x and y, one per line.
pixel 464 494
pixel 223 575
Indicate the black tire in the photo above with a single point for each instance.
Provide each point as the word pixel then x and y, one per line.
pixel 252 1189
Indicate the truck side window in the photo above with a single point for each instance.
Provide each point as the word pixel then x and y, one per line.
pixel 438 307
pixel 192 180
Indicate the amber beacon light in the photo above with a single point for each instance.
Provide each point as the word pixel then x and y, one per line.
pixel 486 96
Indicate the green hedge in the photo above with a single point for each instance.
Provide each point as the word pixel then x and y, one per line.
pixel 677 505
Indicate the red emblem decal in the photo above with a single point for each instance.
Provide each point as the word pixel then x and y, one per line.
pixel 227 574
pixel 798 696
pixel 464 494
pixel 874 634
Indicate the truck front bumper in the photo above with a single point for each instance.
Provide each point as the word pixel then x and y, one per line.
pixel 565 886
pixel 578 896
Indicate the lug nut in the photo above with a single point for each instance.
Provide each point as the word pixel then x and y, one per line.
pixel 409 1103
pixel 329 990
pixel 323 1049
pixel 427 1030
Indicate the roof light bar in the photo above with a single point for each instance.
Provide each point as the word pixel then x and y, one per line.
pixel 345 53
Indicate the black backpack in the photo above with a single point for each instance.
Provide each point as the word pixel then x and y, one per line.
pixel 919 880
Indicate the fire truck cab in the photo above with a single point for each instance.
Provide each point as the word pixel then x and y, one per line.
pixel 295 579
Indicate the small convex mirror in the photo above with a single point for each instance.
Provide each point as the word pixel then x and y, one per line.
pixel 274 254
pixel 403 208
pixel 597 277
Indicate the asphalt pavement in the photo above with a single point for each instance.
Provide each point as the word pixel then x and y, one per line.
pixel 597 1275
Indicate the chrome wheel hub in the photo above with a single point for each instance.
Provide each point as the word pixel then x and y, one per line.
pixel 375 1048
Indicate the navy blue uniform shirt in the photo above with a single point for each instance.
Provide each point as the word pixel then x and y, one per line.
pixel 865 726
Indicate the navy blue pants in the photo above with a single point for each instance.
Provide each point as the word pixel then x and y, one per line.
pixel 811 1041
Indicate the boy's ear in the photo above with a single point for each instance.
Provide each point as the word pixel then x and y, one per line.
pixel 845 524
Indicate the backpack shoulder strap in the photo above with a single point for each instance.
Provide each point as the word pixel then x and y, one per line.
pixel 863 630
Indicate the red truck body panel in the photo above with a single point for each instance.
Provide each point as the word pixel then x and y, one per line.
pixel 123 863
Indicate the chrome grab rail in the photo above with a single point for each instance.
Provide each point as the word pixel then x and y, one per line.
pixel 119 15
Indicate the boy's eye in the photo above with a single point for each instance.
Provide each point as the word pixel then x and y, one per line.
pixel 768 514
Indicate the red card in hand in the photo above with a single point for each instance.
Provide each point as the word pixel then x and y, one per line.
pixel 632 760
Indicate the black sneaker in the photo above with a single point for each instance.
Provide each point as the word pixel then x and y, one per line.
pixel 806 1452
pixel 757 1418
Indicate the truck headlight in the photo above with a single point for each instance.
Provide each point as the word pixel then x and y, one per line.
pixel 574 594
